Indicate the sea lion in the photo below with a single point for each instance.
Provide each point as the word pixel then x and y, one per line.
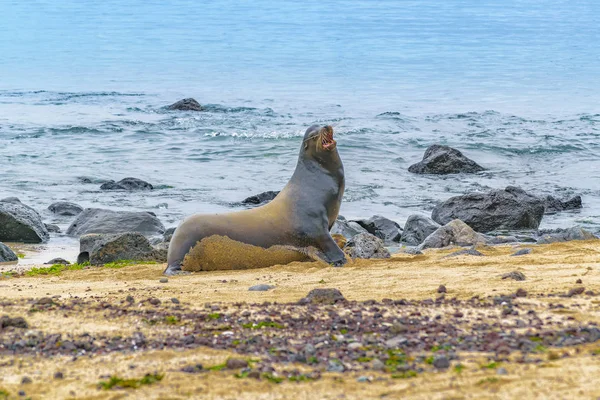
pixel 300 216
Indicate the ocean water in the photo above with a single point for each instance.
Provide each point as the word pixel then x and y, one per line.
pixel 515 85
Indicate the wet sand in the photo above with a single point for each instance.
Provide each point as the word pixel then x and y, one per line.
pixel 124 322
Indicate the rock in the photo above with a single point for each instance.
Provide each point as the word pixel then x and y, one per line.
pixel 14 200
pixel 441 160
pixel 260 288
pixel 188 104
pixel 348 229
pixel 441 362
pixel 554 205
pixel 163 280
pixel 411 250
pixel 260 198
pixel 565 235
pixel 236 363
pixel 175 300
pixel 6 254
pixel 161 251
pixel 521 293
pixel 514 275
pixel 154 301
pixel 500 239
pixel 16 322
pixel 454 233
pixel 192 369
pixel 511 208
pixel 52 228
pixel 58 261
pixel 501 371
pixel 382 227
pixel 101 249
pixel 59 375
pixel 20 223
pixel 335 366
pixel 65 208
pixel 466 252
pixel 96 220
pixel 365 245
pixel 575 291
pixel 323 296
pixel 169 234
pixel 442 289
pixel 395 342
pixel 377 365
pixel 417 228
pixel 578 281
pixel 26 380
pixel 521 252
pixel 127 184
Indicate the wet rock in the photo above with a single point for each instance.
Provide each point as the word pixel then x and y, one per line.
pixel 454 233
pixel 521 293
pixel 441 160
pixel 323 296
pixel 417 228
pixel 521 252
pixel 6 254
pixel 511 208
pixel 52 228
pixel 236 363
pixel 365 245
pixel 575 291
pixel 260 288
pixel 188 104
pixel 466 252
pixel 96 220
pixel 65 208
pixel 16 322
pixel 58 261
pixel 348 229
pixel 383 228
pixel 127 184
pixel 441 362
pixel 20 223
pixel 514 275
pixel 102 249
pixel 261 198
pixel 554 205
pixel 565 235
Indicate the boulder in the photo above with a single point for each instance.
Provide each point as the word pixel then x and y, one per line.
pixel 127 184
pixel 100 249
pixel 554 205
pixel 65 208
pixel 14 200
pixel 365 245
pixel 97 220
pixel 20 223
pixel 417 228
pixel 58 261
pixel 382 227
pixel 347 229
pixel 6 254
pixel 260 198
pixel 511 208
pixel 188 104
pixel 454 233
pixel 323 296
pixel 52 228
pixel 565 235
pixel 168 235
pixel 443 160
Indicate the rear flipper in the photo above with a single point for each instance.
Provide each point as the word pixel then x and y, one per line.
pixel 174 269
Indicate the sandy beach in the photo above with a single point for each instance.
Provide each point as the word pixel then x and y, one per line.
pixel 502 338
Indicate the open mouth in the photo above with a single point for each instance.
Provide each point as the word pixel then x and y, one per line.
pixel 327 138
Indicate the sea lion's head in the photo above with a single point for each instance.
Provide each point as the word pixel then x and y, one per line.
pixel 319 145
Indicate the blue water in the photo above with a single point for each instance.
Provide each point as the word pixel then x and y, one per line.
pixel 515 84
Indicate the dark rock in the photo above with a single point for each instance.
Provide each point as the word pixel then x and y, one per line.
pixel 454 233
pixel 169 234
pixel 175 300
pixel 154 301
pixel 575 291
pixel 417 228
pixel 323 296
pixel 521 293
pixel 441 362
pixel 65 208
pixel 96 220
pixel 578 281
pixel 347 229
pixel 365 245
pixel 443 160
pixel 59 375
pixel 521 252
pixel 127 184
pixel 335 366
pixel 188 104
pixel 565 235
pixel 514 275
pixel 442 289
pixel 20 223
pixel 26 380
pixel 16 322
pixel 554 205
pixel 260 288
pixel 260 198
pixel 466 252
pixel 192 369
pixel 236 363
pixel 101 249
pixel 6 254
pixel 511 208
pixel 382 227
pixel 52 228
pixel 58 261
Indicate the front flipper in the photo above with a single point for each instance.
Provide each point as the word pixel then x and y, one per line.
pixel 174 269
pixel 330 252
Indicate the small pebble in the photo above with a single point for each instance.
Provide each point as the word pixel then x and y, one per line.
pixel 22 393
pixel 260 288
pixel 363 379
pixel 501 371
pixel 467 252
pixel 254 375
pixel 129 299
pixel 333 366
pixel 163 280
pixel 576 291
pixel 514 275
pixel 442 289
pixel 578 281
pixel 175 300
pixel 521 293
pixel 441 362
pixel 521 252
pixel 236 363
pixel 154 301
pixel 26 380
pixel 59 375
pixel 377 365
